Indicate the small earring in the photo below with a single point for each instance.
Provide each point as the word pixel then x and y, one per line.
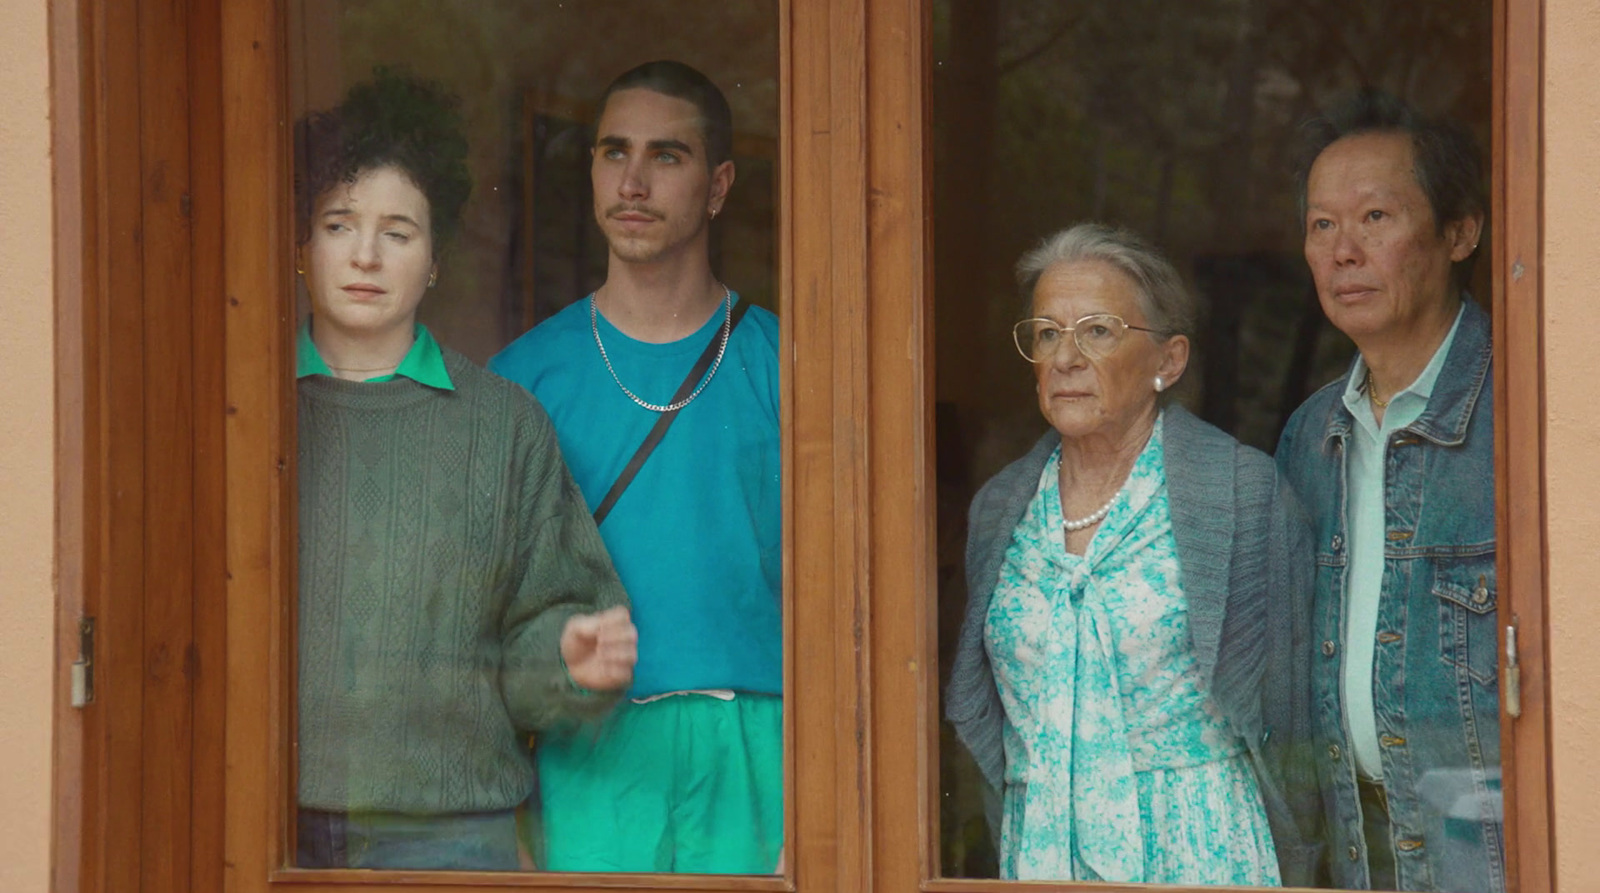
pixel 1160 385
pixel 714 213
pixel 433 278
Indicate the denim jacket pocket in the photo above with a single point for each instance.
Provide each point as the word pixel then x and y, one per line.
pixel 1468 624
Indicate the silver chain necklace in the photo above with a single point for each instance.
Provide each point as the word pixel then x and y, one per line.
pixel 727 318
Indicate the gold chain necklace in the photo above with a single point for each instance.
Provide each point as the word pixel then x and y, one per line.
pixel 1372 393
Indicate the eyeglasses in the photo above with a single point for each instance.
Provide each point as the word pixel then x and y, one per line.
pixel 1097 336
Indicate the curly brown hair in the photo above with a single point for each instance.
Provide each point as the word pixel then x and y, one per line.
pixel 394 120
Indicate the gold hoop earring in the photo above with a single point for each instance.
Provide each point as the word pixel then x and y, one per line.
pixel 433 278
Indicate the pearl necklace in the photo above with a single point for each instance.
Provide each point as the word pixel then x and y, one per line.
pixel 727 319
pixel 1091 520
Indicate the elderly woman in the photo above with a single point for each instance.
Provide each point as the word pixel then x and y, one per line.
pixel 1131 672
pixel 454 592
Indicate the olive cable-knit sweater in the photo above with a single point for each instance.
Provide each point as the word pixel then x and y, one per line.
pixel 443 545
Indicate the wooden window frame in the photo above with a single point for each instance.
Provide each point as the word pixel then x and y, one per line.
pixel 905 719
pixel 189 464
pixel 821 46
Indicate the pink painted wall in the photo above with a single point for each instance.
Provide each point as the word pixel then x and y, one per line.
pixel 1572 373
pixel 27 462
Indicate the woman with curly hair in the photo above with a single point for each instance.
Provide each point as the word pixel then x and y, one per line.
pixel 454 593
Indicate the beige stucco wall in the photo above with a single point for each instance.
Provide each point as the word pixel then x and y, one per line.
pixel 1572 373
pixel 28 452
pixel 1572 294
pixel 27 484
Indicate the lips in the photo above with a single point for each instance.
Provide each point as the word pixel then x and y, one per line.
pixel 364 291
pixel 1352 292
pixel 625 214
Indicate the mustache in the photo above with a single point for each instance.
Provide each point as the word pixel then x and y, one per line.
pixel 631 208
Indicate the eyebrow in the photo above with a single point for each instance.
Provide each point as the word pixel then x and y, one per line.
pixel 387 218
pixel 620 142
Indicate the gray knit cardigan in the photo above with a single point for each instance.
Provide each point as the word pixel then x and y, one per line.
pixel 1246 559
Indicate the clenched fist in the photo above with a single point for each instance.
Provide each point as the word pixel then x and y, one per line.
pixel 601 649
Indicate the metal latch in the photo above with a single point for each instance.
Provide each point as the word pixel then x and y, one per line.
pixel 83 667
pixel 1513 678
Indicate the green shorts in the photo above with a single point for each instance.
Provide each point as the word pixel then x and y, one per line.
pixel 689 783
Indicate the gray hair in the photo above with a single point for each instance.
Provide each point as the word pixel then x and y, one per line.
pixel 1168 305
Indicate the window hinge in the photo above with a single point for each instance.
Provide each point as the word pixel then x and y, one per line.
pixel 1513 676
pixel 83 667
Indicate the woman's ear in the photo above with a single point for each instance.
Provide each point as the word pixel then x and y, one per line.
pixel 1174 359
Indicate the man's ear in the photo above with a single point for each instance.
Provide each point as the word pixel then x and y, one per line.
pixel 721 183
pixel 1463 235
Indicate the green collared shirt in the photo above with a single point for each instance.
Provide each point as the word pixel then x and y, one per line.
pixel 1364 462
pixel 423 363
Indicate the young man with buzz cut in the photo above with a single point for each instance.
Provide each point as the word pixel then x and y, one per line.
pixel 687 775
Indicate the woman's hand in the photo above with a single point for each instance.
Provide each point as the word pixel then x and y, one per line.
pixel 601 649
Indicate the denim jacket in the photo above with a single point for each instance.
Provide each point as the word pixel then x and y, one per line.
pixel 1435 676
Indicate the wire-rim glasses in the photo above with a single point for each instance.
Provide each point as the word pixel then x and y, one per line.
pixel 1096 335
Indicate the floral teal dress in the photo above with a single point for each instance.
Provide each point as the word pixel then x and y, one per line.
pixel 1119 766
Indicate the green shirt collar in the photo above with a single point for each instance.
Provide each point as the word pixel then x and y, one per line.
pixel 423 363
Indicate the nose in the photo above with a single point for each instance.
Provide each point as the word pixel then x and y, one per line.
pixel 1067 356
pixel 366 256
pixel 634 185
pixel 1346 248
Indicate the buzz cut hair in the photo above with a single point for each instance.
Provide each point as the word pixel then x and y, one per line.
pixel 680 81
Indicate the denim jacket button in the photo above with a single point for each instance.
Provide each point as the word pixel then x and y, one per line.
pixel 1333 751
pixel 1337 542
pixel 1480 595
pixel 1353 853
pixel 1328 648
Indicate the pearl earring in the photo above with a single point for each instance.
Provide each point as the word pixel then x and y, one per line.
pixel 1160 385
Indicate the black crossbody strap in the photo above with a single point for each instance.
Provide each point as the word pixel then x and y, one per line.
pixel 664 420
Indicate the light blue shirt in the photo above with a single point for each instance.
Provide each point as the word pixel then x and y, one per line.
pixel 1364 459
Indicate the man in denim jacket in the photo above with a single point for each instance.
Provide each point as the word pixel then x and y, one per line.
pixel 1394 463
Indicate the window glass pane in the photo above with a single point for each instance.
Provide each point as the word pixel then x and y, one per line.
pixel 1147 653
pixel 469 194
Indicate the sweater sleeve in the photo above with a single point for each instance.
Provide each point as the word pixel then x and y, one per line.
pixel 564 571
pixel 1292 569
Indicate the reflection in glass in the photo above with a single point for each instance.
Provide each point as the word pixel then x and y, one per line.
pixel 1181 121
pixel 597 268
pixel 1130 578
pixel 1391 463
pixel 453 588
pixel 687 775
